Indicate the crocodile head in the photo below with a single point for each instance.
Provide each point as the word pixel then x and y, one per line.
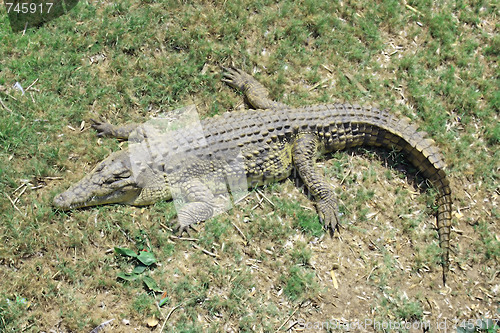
pixel 111 181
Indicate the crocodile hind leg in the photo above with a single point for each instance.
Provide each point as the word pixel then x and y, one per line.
pixel 304 152
pixel 256 94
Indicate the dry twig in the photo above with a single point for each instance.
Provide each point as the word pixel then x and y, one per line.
pixel 31 85
pixel 101 326
pixel 124 233
pixel 172 237
pixel 206 251
pixel 22 192
pixel 14 205
pixel 4 106
pixel 240 232
pixel 242 198
pixel 288 319
pixel 168 316
pixel 267 199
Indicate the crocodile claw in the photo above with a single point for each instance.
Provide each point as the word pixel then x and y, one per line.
pixel 236 78
pixel 179 230
pixel 327 212
pixel 103 128
pixel 192 213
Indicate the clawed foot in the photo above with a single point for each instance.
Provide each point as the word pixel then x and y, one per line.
pixel 327 212
pixel 179 230
pixel 236 78
pixel 103 128
pixel 192 214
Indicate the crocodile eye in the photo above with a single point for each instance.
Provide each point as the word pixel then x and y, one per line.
pixel 129 188
pixel 122 174
pixel 125 174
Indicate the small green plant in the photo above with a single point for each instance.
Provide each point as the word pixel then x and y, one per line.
pixel 12 311
pixel 487 241
pixel 144 260
pixel 301 254
pixel 214 229
pixel 142 303
pixel 304 219
pixel 299 283
pixel 403 307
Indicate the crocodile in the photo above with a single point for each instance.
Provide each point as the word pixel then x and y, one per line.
pixel 269 142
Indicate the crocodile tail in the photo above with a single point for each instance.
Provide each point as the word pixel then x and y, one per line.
pixel 423 153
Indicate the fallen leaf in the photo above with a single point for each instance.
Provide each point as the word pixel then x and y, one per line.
pixel 334 279
pixel 163 299
pixel 152 321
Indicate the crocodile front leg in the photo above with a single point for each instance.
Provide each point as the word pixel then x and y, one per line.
pixel 304 152
pixel 256 94
pixel 201 205
pixel 105 129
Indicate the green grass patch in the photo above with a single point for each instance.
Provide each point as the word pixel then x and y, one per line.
pixel 299 283
pixel 303 219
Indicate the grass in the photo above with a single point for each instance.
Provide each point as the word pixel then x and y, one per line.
pixel 435 62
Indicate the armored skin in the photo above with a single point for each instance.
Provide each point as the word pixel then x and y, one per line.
pixel 261 146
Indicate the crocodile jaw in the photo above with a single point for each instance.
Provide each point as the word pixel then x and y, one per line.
pixel 110 182
pixel 80 196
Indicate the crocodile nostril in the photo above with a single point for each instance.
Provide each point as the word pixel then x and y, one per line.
pixel 59 200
